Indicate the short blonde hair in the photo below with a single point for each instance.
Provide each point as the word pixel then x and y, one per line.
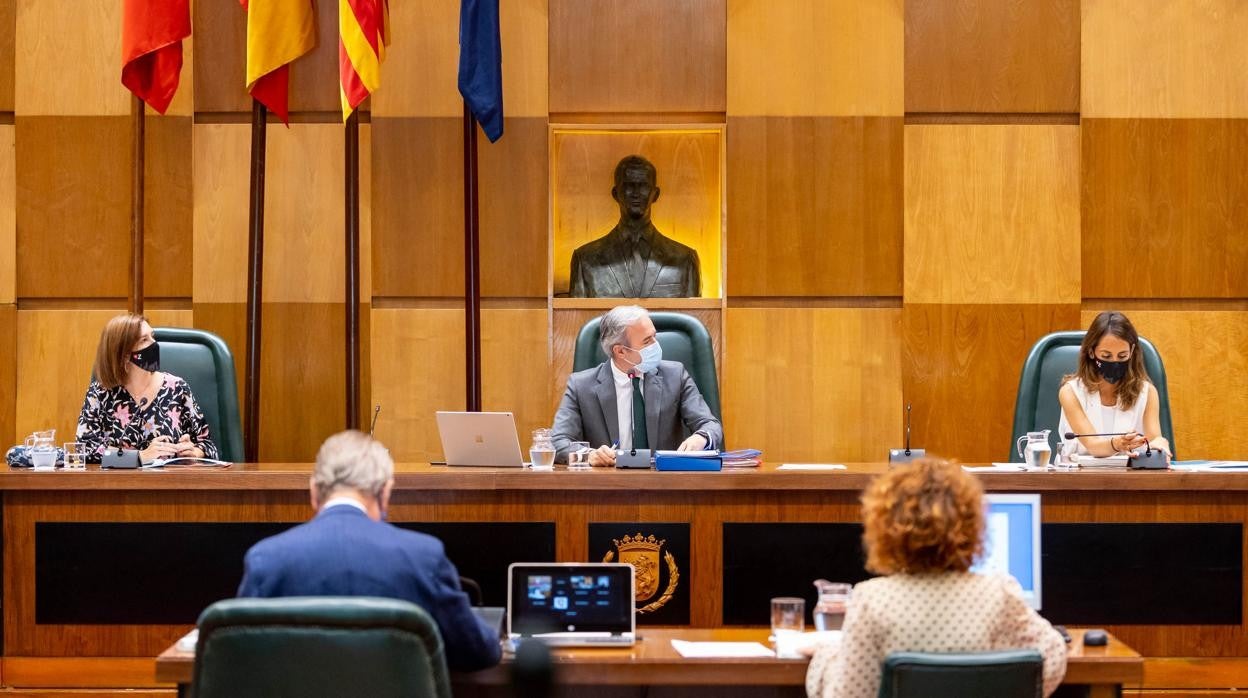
pixel 927 516
pixel 352 459
pixel 112 355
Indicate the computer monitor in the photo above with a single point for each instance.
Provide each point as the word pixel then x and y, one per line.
pixel 1012 541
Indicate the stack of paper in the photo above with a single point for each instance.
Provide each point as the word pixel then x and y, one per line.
pixel 1094 463
pixel 721 649
pixel 742 458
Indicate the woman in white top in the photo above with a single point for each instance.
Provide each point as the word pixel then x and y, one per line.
pixel 923 526
pixel 1110 392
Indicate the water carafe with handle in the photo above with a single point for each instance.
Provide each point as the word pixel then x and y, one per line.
pixel 831 605
pixel 1034 448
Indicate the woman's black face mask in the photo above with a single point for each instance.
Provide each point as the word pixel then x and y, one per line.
pixel 147 358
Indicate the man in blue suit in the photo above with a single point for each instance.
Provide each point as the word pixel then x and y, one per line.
pixel 348 550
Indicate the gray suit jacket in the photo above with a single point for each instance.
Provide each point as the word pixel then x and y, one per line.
pixel 674 409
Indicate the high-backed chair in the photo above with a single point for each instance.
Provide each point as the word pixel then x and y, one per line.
pixel 1013 674
pixel 1057 355
pixel 328 647
pixel 683 339
pixel 204 361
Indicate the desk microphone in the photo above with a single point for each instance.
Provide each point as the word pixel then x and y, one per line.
pixel 1072 435
pixel 373 427
pixel 898 456
pixel 1148 460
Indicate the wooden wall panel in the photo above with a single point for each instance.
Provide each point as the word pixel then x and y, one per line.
pixel 1165 58
pixel 813 384
pixel 689 209
pixel 418 369
pixel 567 325
pixel 992 214
pixel 221 172
pixel 515 358
pixel 992 56
pixel 304 238
pixel 815 58
pixel 55 353
pixel 167 217
pixel 220 72
pixel 418 207
pixel 68 58
pixel 514 207
pixel 1205 377
pixel 960 369
pixel 303 392
pixel 814 206
pixel 641 56
pixel 8 372
pixel 1165 207
pixel 220 56
pixel 8 216
pixel 73 206
pixel 8 39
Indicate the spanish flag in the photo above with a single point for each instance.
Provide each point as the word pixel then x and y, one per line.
pixel 363 32
pixel 151 48
pixel 278 32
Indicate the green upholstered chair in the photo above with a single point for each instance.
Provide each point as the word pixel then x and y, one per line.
pixel 683 339
pixel 1057 355
pixel 204 361
pixel 1013 674
pixel 318 647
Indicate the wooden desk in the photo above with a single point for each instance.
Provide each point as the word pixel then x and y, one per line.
pixel 653 662
pixel 173 519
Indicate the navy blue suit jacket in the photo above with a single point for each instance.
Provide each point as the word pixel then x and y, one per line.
pixel 342 552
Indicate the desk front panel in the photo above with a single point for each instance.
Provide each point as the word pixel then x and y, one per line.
pixel 86 573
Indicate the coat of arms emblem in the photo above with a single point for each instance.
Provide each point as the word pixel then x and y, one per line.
pixel 643 554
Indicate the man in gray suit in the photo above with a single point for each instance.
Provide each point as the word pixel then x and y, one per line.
pixel 634 398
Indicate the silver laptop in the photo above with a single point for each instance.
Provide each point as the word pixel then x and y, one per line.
pixel 480 438
pixel 572 604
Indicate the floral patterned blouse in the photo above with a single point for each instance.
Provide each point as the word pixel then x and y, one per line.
pixel 112 418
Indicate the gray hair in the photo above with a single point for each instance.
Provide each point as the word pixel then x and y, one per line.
pixel 352 459
pixel 615 323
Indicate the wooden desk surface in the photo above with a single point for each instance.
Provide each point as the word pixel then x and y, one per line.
pixel 423 476
pixel 653 662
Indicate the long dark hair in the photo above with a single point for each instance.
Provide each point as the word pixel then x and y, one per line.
pixel 1114 323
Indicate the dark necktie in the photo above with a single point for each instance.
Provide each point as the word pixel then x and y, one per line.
pixel 640 439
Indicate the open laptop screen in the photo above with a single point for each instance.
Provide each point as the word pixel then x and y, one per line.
pixel 1012 541
pixel 570 597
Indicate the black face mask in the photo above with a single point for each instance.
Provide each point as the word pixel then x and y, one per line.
pixel 147 358
pixel 1112 371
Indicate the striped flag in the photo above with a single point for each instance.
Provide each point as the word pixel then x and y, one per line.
pixel 151 48
pixel 278 32
pixel 363 32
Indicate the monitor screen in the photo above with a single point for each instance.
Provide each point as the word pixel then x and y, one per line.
pixel 557 597
pixel 1012 541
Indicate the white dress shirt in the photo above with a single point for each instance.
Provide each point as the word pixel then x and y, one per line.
pixel 624 404
pixel 344 501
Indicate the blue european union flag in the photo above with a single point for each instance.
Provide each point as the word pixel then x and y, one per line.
pixel 481 64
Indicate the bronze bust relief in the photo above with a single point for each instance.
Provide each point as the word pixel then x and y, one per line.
pixel 635 260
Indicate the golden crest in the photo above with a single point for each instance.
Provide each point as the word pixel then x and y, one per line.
pixel 643 554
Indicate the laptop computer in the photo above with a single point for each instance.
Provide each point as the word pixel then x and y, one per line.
pixel 480 438
pixel 572 604
pixel 1012 541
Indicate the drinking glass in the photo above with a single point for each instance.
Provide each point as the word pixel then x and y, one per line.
pixel 578 455
pixel 75 455
pixel 788 622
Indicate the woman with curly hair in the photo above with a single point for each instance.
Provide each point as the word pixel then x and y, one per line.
pixel 923 528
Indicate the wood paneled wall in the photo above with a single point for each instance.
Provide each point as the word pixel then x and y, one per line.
pixel 913 192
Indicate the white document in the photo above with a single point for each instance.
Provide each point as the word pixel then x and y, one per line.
pixel 708 650
pixel 811 466
pixel 999 468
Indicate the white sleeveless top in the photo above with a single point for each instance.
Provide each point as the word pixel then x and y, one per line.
pixel 1107 419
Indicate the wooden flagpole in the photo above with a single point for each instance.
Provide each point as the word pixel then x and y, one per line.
pixel 472 280
pixel 139 114
pixel 352 193
pixel 255 281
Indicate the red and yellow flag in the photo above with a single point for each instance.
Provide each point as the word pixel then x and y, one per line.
pixel 151 48
pixel 278 32
pixel 363 32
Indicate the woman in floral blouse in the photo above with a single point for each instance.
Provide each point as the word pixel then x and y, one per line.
pixel 132 404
